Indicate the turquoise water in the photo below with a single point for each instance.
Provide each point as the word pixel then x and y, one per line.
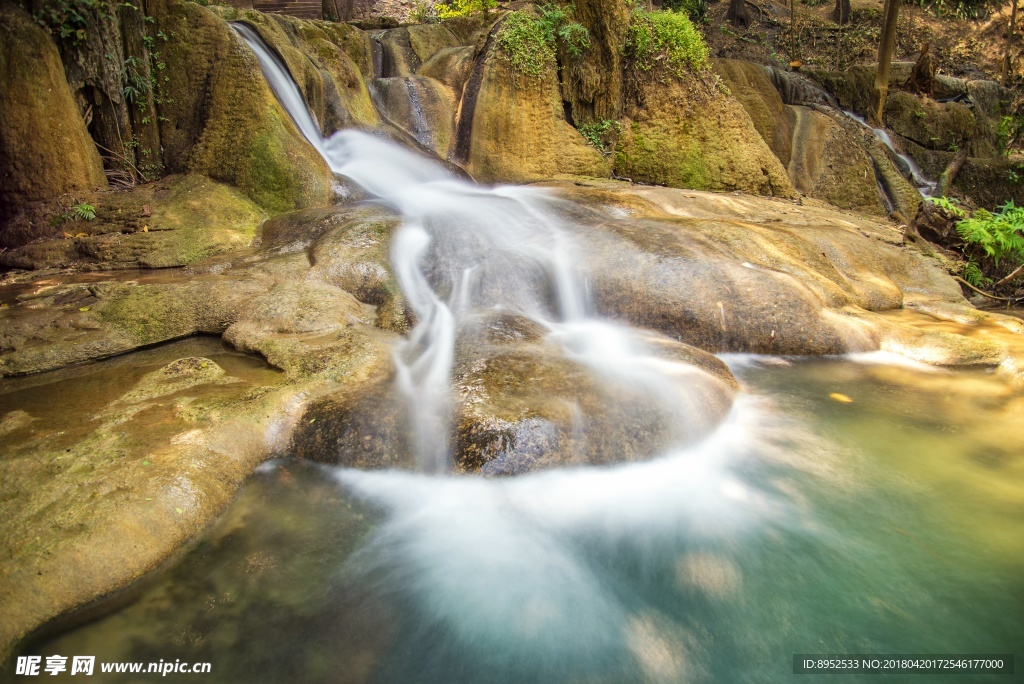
pixel 845 507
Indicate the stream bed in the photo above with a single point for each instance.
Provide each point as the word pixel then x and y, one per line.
pixel 847 505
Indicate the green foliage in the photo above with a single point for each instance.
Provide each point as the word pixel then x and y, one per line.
pixel 529 43
pixel 999 234
pixel 71 19
pixel 972 274
pixel 956 9
pixel 595 132
pixel 83 211
pixel 695 9
pixel 949 204
pixel 425 13
pixel 1011 133
pixel 464 8
pixel 524 45
pixel 666 38
pixel 556 22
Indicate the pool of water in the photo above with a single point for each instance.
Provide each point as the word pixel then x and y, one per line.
pixel 846 506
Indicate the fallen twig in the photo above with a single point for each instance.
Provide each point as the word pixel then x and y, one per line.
pixel 1016 272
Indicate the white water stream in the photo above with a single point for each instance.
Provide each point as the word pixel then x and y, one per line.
pixel 463 250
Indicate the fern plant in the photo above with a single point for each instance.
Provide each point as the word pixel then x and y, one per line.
pixel 83 211
pixel 999 234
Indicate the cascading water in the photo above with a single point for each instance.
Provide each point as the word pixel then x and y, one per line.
pixel 907 165
pixel 837 509
pixel 464 250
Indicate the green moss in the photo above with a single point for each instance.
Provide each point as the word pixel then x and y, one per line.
pixel 529 42
pixel 199 219
pixel 522 42
pixel 665 38
pixel 657 155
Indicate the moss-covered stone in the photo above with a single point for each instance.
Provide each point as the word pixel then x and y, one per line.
pixel 513 127
pixel 828 162
pixel 175 222
pixel 45 149
pixel 750 84
pixel 938 126
pixel 223 121
pixel 687 134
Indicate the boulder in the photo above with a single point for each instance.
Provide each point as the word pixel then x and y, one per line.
pixel 45 149
pixel 749 83
pixel 828 163
pixel 224 122
pixel 690 135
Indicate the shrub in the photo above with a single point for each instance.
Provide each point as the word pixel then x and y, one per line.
pixel 558 26
pixel 529 43
pixel 695 9
pixel 999 234
pixel 524 45
pixel 665 37
pixel 464 8
pixel 83 211
pixel 988 237
pixel 425 13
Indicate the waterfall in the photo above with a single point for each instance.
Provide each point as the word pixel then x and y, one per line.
pixel 906 164
pixel 463 251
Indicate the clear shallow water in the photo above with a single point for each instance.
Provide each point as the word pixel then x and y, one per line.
pixel 890 523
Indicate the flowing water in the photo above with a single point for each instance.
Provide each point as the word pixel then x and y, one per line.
pixel 464 251
pixel 905 162
pixel 886 524
pixel 860 505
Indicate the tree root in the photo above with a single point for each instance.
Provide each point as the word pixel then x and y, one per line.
pixel 982 292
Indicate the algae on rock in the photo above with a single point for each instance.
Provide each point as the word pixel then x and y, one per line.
pixel 223 120
pixel 45 149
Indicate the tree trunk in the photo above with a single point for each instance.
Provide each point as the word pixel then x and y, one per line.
pixel 841 14
pixel 1008 58
pixel 737 13
pixel 885 46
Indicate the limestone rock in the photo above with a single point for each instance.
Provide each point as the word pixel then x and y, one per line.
pixel 224 121
pixel 512 127
pixel 689 135
pixel 45 149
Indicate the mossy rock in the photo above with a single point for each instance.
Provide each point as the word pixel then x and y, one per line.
pixel 317 55
pixel 513 127
pixel 426 40
pixel 176 221
pixel 828 162
pixel 423 107
pixel 223 121
pixel 750 84
pixel 687 134
pixel 45 149
pixel 990 183
pixel 450 66
pixel 938 126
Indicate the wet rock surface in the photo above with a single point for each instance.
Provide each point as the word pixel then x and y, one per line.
pixel 322 305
